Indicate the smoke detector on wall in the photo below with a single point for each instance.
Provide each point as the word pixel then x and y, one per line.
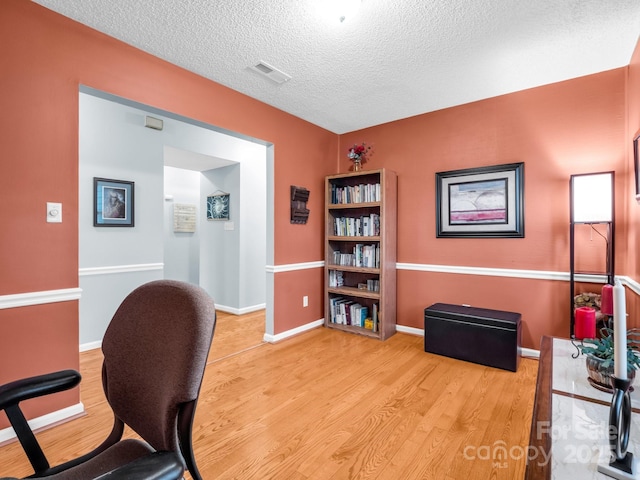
pixel 272 73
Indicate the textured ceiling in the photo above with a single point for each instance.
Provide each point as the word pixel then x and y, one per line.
pixel 394 59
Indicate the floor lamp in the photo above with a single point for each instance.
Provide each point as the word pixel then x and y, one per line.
pixel 591 203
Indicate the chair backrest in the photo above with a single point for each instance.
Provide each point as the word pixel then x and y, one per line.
pixel 155 352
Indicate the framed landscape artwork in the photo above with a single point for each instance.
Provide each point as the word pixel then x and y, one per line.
pixel 483 202
pixel 113 203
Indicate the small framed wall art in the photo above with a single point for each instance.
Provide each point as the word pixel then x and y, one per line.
pixel 218 206
pixel 113 203
pixel 484 202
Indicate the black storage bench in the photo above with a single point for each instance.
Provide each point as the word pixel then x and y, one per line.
pixel 479 335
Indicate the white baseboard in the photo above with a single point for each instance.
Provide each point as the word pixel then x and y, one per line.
pixel 241 311
pixel 294 331
pixel 90 346
pixel 48 420
pixel 530 353
pixel 410 330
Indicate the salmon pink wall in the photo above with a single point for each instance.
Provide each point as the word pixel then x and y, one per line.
pixel 290 287
pixel 633 88
pixel 543 303
pixel 45 58
pixel 34 340
pixel 557 130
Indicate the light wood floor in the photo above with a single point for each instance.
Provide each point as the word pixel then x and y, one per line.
pixel 330 405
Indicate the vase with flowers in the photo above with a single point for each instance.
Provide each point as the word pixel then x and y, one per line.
pixel 358 155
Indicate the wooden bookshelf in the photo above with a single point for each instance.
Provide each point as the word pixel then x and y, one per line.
pixel 360 252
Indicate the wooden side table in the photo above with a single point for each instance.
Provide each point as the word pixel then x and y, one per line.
pixel 570 420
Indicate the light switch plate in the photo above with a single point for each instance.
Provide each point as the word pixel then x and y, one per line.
pixel 54 212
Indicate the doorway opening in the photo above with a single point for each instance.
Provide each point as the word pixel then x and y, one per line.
pixel 229 259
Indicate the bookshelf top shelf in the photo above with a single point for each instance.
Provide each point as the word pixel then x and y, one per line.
pixel 362 173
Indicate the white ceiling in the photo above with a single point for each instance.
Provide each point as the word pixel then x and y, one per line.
pixel 394 59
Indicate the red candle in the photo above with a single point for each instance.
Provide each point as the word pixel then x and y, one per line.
pixel 606 302
pixel 585 323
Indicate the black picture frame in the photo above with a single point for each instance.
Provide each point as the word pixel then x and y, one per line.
pixel 113 203
pixel 636 164
pixel 218 206
pixel 482 202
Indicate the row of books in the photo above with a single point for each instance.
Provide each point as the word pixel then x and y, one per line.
pixel 336 278
pixel 363 226
pixel 348 312
pixel 362 193
pixel 363 256
pixel 373 285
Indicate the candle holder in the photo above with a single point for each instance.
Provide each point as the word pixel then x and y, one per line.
pixel 622 465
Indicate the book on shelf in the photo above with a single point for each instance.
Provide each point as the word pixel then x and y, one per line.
pixel 351 319
pixel 365 226
pixel 374 318
pixel 355 226
pixel 362 193
pixel 373 285
pixel 347 312
pixel 363 312
pixel 336 278
pixel 343 259
pixel 341 316
pixel 367 256
pixel 333 309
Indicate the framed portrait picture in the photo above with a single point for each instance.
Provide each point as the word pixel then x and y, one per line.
pixel 113 203
pixel 481 202
pixel 218 206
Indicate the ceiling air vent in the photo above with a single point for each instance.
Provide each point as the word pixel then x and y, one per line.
pixel 270 72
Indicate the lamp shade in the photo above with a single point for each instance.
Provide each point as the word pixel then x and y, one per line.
pixel 592 197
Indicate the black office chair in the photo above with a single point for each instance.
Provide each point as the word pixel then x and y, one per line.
pixel 155 352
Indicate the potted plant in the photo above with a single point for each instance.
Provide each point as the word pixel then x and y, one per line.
pixel 600 355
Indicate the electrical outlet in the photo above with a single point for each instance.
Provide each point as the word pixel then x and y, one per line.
pixel 305 301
